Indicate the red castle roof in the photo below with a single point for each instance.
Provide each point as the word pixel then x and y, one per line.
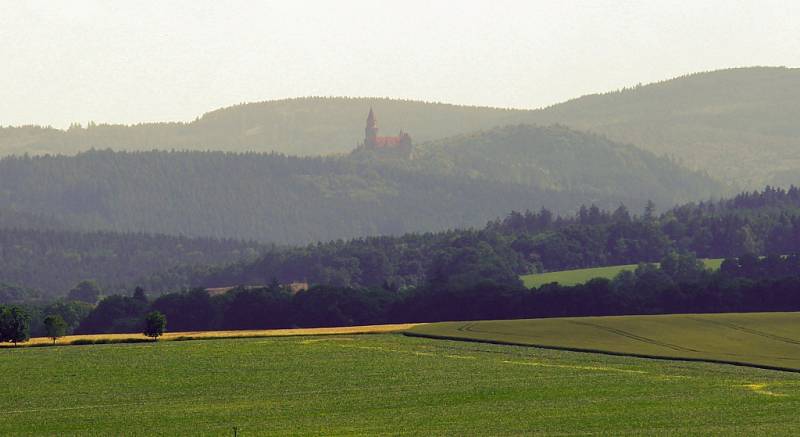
pixel 387 141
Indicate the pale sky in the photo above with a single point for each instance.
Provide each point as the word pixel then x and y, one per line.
pixel 135 61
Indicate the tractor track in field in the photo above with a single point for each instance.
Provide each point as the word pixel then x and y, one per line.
pixel 469 327
pixel 748 330
pixel 640 338
pixel 474 331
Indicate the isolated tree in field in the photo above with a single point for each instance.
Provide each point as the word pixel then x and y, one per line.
pixel 85 291
pixel 14 325
pixel 55 327
pixel 154 324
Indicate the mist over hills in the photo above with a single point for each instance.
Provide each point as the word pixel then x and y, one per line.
pixel 112 215
pixel 269 197
pixel 18 220
pixel 470 165
pixel 737 124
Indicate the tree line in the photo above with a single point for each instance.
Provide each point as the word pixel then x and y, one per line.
pixel 18 323
pixel 475 290
pixel 678 284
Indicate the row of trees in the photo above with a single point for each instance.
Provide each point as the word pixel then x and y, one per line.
pixel 15 325
pixel 41 320
pixel 15 322
pixel 63 317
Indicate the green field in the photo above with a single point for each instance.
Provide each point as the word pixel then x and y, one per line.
pixel 579 276
pixel 381 384
pixel 761 339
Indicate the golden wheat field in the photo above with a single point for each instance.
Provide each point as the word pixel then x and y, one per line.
pixel 199 335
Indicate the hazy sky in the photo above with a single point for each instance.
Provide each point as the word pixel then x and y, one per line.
pixel 115 61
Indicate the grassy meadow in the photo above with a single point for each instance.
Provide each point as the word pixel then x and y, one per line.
pixel 579 276
pixel 763 339
pixel 385 384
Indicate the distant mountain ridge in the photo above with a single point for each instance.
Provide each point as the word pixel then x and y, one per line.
pixel 737 124
pixel 299 126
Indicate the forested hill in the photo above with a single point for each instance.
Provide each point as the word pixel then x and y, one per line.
pixel 562 159
pixel 739 124
pixel 268 197
pixel 263 197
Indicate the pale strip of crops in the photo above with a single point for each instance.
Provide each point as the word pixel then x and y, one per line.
pixel 197 335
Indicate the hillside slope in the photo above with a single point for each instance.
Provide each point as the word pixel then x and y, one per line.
pixel 758 339
pixel 562 159
pixel 739 124
pixel 255 196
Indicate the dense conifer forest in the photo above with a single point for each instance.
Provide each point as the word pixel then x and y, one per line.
pixel 50 262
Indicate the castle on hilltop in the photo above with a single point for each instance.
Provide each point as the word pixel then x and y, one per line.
pixel 401 144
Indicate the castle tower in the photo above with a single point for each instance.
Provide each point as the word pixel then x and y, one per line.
pixel 371 131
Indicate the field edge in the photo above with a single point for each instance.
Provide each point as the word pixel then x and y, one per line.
pixel 88 339
pixel 599 351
